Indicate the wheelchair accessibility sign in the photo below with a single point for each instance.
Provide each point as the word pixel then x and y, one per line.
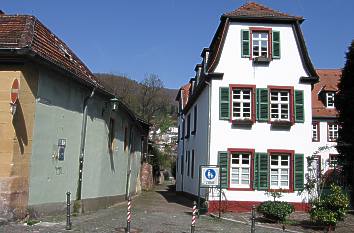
pixel 209 176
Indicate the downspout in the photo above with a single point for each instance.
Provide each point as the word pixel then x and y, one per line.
pixel 129 169
pixel 209 120
pixel 82 143
pixel 182 159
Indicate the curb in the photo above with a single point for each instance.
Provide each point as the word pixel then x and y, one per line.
pixel 257 224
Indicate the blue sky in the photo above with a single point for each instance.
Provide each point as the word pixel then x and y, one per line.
pixel 165 37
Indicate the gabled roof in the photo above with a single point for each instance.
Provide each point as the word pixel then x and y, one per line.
pixel 254 9
pixel 254 12
pixel 185 93
pixel 329 79
pixel 26 35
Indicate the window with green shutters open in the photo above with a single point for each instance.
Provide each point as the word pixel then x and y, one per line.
pixel 260 43
pixel 244 169
pixel 274 104
pixel 242 104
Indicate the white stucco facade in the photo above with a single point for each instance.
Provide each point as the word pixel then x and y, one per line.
pixel 259 136
pixel 323 148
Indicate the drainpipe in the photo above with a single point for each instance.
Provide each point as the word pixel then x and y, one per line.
pixel 209 120
pixel 129 167
pixel 182 159
pixel 82 144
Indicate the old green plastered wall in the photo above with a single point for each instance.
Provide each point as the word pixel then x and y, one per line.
pixel 59 112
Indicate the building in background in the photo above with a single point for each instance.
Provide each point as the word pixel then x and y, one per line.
pixel 248 110
pixel 324 124
pixel 65 132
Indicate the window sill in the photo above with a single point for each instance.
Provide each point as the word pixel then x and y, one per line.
pixel 240 189
pixel 242 122
pixel 280 190
pixel 284 123
pixel 261 60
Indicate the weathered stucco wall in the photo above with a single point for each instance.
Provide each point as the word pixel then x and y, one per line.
pixel 16 139
pixel 59 115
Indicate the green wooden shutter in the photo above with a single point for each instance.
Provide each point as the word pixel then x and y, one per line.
pixel 262 104
pixel 276 45
pixel 224 103
pixel 256 172
pixel 299 172
pixel 224 168
pixel 299 106
pixel 245 43
pixel 261 171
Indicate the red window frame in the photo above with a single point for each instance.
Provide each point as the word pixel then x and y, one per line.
pixel 291 169
pixel 253 101
pixel 291 104
pixel 241 150
pixel 270 39
pixel 328 124
pixel 318 130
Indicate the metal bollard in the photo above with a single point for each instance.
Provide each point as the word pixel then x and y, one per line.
pixel 68 215
pixel 253 220
pixel 194 214
pixel 129 216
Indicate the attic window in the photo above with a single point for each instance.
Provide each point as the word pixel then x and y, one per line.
pixel 330 99
pixel 65 52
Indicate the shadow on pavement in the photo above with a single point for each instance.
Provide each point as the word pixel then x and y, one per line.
pixel 172 197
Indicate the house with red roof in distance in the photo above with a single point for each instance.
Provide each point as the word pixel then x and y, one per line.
pixel 248 110
pixel 324 115
pixel 62 131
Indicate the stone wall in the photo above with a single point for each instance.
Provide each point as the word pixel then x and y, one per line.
pixel 146 177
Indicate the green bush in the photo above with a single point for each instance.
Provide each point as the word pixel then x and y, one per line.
pixel 276 210
pixel 331 208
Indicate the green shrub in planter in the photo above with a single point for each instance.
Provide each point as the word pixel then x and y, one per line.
pixel 331 208
pixel 276 210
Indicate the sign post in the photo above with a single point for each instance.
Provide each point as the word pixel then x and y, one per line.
pixel 209 177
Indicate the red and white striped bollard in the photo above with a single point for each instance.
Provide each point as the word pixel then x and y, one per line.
pixel 129 214
pixel 194 215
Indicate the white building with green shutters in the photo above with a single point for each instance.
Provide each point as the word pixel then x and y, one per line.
pixel 248 109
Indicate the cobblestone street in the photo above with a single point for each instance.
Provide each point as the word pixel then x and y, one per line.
pixel 158 211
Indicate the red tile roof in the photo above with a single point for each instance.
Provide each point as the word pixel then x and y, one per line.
pixel 329 79
pixel 185 93
pixel 27 33
pixel 254 9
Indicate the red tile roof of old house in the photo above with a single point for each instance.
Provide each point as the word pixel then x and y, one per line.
pixel 254 9
pixel 329 79
pixel 185 95
pixel 26 35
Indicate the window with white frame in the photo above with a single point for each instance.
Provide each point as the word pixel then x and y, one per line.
pixel 260 46
pixel 280 105
pixel 315 132
pixel 330 99
pixel 332 160
pixel 240 170
pixel 280 171
pixel 241 103
pixel 332 132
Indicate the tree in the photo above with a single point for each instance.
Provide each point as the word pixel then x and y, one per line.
pixel 344 102
pixel 153 97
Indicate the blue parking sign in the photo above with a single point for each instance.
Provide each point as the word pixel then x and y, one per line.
pixel 209 176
